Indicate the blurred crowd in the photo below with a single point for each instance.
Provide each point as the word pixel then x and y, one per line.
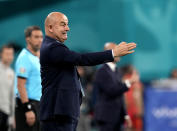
pixel 130 98
pixel 133 100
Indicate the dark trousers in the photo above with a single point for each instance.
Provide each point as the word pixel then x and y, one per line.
pixel 59 124
pixel 109 126
pixel 21 124
pixel 3 121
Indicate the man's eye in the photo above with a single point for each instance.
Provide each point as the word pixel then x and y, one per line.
pixel 63 24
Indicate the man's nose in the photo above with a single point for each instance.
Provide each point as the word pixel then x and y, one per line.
pixel 67 28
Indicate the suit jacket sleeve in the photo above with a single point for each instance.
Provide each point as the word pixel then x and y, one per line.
pixel 59 54
pixel 108 85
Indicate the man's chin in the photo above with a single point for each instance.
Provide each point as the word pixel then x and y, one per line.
pixel 64 39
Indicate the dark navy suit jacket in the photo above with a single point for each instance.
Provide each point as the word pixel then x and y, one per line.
pixel 110 102
pixel 61 93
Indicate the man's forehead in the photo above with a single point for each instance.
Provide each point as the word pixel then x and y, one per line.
pixel 63 19
pixel 36 32
pixel 7 48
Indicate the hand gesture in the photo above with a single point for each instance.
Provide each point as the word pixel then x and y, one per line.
pixel 123 49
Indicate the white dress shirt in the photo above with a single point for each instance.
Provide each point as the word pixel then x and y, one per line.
pixel 112 66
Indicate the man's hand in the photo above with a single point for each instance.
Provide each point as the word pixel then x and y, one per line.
pixel 128 122
pixel 30 118
pixel 123 49
pixel 12 122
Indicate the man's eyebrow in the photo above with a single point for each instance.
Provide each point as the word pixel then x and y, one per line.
pixel 62 22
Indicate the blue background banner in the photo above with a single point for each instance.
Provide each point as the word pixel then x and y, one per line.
pixel 160 110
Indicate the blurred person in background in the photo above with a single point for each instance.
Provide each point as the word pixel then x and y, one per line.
pixel 110 112
pixel 134 98
pixel 7 99
pixel 28 82
pixel 173 74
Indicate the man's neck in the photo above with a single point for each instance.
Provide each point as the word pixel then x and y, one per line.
pixel 5 64
pixel 54 37
pixel 32 51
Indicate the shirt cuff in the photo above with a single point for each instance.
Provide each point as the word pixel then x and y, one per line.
pixel 127 83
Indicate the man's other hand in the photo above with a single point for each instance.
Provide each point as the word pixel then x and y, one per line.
pixel 30 118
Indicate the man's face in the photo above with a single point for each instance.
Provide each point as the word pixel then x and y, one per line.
pixel 7 55
pixel 35 40
pixel 174 74
pixel 60 28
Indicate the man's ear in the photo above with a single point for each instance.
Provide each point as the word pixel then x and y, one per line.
pixel 50 28
pixel 27 39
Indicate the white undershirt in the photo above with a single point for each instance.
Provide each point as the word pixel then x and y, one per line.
pixel 112 66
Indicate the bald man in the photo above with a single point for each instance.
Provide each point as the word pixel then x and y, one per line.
pixel 61 88
pixel 110 111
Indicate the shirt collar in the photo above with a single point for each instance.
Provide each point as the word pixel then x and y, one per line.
pixel 30 52
pixel 48 37
pixel 112 66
